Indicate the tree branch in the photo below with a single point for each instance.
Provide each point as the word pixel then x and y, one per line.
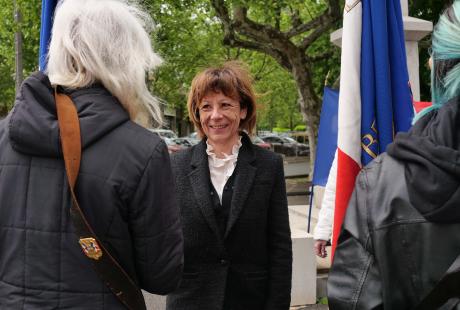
pixel 335 10
pixel 320 19
pixel 233 41
pixel 224 16
pixel 277 16
pixel 256 31
pixel 261 38
pixel 319 31
pixel 261 69
pixel 295 17
pixel 328 17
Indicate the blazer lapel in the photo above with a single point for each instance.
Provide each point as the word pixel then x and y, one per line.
pixel 245 173
pixel 199 180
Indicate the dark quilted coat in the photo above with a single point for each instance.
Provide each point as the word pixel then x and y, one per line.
pixel 125 188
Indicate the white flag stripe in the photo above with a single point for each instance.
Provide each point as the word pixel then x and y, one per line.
pixel 349 122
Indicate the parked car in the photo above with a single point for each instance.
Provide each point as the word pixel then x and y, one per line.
pixel 258 141
pixel 168 136
pixel 193 135
pixel 287 146
pixel 186 142
pixel 193 138
pixel 302 148
pixel 173 146
pixel 165 133
pixel 300 136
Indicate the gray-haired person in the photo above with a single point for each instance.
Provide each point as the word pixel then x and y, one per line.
pixel 401 231
pixel 99 54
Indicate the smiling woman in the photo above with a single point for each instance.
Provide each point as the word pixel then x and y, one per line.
pixel 233 203
pixel 234 84
pixel 220 120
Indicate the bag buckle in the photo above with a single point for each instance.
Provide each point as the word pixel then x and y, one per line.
pixel 91 248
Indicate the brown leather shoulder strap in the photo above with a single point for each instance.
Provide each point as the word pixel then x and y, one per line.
pixel 69 130
pixel 113 275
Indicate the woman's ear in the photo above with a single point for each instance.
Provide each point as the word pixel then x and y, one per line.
pixel 243 113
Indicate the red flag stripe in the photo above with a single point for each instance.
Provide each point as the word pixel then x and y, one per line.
pixel 347 170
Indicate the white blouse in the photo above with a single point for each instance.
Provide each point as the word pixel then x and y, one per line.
pixel 221 169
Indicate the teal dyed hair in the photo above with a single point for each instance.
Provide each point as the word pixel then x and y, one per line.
pixel 445 73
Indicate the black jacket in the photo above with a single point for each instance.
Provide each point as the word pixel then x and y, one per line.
pixel 125 187
pixel 249 265
pixel 402 227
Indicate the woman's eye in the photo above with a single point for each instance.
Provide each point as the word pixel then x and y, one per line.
pixel 205 107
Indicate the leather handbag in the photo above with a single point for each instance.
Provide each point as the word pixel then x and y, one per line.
pixel 113 275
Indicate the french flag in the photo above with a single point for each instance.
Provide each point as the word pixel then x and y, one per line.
pixel 375 99
pixel 48 8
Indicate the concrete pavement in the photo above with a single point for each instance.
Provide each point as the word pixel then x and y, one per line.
pixel 296 166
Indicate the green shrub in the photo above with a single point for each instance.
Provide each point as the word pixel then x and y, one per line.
pixel 322 301
pixel 300 128
pixel 280 129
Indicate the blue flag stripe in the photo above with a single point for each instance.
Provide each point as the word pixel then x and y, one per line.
pixel 385 93
pixel 48 7
pixel 327 137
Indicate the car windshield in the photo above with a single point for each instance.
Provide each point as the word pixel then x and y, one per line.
pixel 168 134
pixel 288 140
pixel 256 139
pixel 182 142
pixel 169 141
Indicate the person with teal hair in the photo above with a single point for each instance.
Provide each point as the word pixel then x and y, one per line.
pixel 400 240
pixel 445 59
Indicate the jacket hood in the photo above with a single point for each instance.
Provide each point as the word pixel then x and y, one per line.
pixel 33 125
pixel 431 157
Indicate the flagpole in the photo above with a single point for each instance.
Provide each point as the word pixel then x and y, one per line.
pixel 405 7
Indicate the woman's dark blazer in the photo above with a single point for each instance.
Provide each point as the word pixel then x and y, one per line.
pixel 250 266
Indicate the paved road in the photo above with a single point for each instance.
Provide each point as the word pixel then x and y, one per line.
pixel 154 302
pixel 296 166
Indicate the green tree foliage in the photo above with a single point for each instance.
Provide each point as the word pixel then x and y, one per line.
pixel 427 10
pixel 30 28
pixel 290 32
pixel 189 37
pixel 184 37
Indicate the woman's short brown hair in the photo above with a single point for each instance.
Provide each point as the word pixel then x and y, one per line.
pixel 231 79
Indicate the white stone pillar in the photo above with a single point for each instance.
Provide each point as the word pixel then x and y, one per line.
pixel 414 30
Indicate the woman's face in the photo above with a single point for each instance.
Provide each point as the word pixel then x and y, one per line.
pixel 220 118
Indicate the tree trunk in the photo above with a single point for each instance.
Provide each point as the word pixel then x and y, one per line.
pixel 18 48
pixel 309 104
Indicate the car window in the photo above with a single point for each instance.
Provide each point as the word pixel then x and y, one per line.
pixel 182 142
pixel 169 141
pixel 270 139
pixel 165 133
pixel 168 134
pixel 289 140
